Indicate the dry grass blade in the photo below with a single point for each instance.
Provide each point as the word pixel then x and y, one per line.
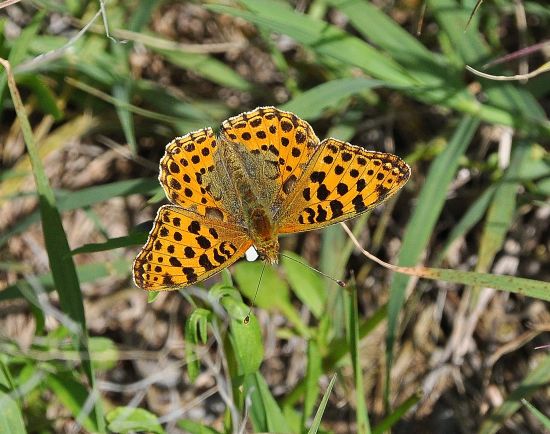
pixel 517 77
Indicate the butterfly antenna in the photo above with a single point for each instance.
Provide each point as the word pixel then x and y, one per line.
pixel 338 281
pixel 247 317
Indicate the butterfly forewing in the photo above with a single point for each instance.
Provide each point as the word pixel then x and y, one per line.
pixel 340 182
pixel 280 137
pixel 184 248
pixel 183 168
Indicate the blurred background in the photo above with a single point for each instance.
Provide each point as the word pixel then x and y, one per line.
pixel 106 85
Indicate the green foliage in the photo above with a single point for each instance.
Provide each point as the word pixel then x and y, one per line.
pixel 351 68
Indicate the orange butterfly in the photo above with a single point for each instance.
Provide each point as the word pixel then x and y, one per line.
pixel 265 174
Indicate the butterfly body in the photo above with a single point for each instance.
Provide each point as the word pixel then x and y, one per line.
pixel 265 174
pixel 247 187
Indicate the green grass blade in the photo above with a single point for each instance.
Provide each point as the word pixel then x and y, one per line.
pixel 311 104
pixel 420 226
pixel 86 273
pixel 45 98
pixel 396 415
pixel 313 374
pixel 471 217
pixel 377 27
pixel 207 67
pixel 134 239
pixel 324 38
pixel 543 419
pixel 122 93
pixel 317 420
pixel 68 201
pixel 518 285
pixel 537 379
pixel 73 396
pixel 471 49
pixel 362 418
pixel 57 246
pixel 501 211
pixel 20 49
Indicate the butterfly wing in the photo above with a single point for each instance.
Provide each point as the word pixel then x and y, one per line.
pixel 340 182
pixel 184 248
pixel 182 173
pixel 279 137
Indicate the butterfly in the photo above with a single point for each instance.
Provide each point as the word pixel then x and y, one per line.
pixel 265 174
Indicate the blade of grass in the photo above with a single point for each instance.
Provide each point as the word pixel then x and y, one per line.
pixel 134 239
pixel 471 217
pixel 543 419
pixel 20 49
pixel 208 67
pixel 380 29
pixel 73 395
pixel 57 246
pixel 421 225
pixel 11 417
pixel 311 103
pixel 396 415
pixel 537 379
pixel 325 39
pixel 332 42
pixel 320 411
pixel 68 201
pixel 313 373
pixel 86 273
pixel 362 416
pixel 528 287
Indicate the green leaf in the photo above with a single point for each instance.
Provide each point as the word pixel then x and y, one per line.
pixel 501 211
pixel 272 293
pixel 105 353
pixel 196 428
pixel 265 414
pixel 195 333
pixel 397 415
pixel 11 418
pixel 129 419
pixel 246 339
pixel 122 93
pixel 306 283
pixel 86 273
pixel 20 48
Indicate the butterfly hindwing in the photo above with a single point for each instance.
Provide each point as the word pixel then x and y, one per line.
pixel 184 248
pixel 340 182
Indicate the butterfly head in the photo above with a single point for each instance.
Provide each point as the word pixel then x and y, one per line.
pixel 268 250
